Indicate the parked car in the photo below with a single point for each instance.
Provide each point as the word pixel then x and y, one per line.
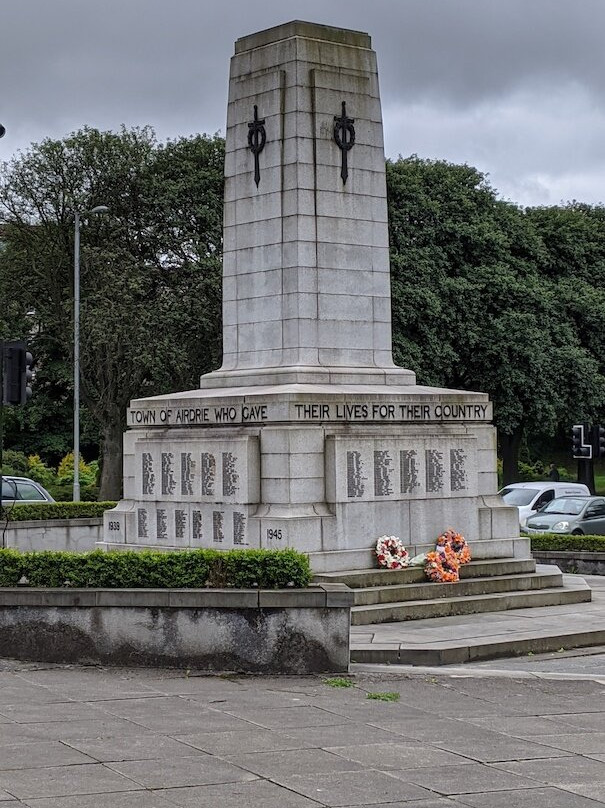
pixel 530 497
pixel 579 516
pixel 23 490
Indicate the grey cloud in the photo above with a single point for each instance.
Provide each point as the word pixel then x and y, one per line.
pixel 472 80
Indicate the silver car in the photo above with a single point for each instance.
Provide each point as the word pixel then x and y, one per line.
pixel 22 490
pixel 580 516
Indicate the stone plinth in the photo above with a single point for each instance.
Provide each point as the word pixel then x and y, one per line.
pixel 321 469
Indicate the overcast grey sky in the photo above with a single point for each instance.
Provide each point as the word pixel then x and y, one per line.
pixel 513 87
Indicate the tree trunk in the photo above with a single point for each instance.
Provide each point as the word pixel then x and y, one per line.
pixel 510 445
pixel 111 462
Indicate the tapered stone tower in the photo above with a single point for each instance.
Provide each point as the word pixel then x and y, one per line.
pixel 309 436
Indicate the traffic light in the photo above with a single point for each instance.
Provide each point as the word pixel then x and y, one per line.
pixel 16 373
pixel 579 449
pixel 599 441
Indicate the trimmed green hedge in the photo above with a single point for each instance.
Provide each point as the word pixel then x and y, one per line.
pixel 557 541
pixel 56 510
pixel 180 569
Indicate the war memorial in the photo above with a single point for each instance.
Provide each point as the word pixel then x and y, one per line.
pixel 309 436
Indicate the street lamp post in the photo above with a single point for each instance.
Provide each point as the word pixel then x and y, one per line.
pixel 97 209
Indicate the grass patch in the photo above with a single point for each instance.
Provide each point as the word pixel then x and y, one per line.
pixel 338 681
pixel 383 696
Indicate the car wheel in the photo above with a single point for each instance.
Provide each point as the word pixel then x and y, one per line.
pixel 576 533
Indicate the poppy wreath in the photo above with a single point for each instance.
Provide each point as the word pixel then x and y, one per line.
pixel 442 566
pixel 457 542
pixel 391 553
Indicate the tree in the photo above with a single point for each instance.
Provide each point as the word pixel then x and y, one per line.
pixel 472 308
pixel 150 271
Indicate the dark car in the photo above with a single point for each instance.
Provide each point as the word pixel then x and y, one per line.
pixel 579 516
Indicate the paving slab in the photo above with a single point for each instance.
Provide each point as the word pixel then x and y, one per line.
pixel 194 770
pixel 233 742
pixel 53 781
pixel 34 755
pixel 130 747
pixel 361 788
pixel 283 718
pixel 473 778
pixel 274 765
pixel 559 771
pixel 237 795
pixel 26 713
pixel 529 727
pixel 393 755
pixel 132 799
pixel 539 798
pixel 171 713
pixel 59 730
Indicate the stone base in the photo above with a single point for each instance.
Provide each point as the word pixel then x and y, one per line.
pixel 311 374
pixel 289 631
pixel 323 469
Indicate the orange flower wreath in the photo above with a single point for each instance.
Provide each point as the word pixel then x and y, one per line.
pixel 442 566
pixel 458 544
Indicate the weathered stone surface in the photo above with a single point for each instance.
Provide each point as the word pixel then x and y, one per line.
pixel 140 628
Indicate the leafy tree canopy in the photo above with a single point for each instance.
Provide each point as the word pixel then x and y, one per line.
pixel 150 272
pixel 474 307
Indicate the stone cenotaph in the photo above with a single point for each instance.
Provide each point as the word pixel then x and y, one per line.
pixel 309 436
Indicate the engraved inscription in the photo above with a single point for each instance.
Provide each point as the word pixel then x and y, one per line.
pixel 458 476
pixel 218 522
pixel 239 528
pixel 408 465
pixel 142 526
pixel 434 471
pixel 355 478
pixel 168 481
pixel 180 523
pixel 208 474
pixel 147 473
pixel 196 524
pixel 162 523
pixel 383 470
pixel 230 475
pixel 187 474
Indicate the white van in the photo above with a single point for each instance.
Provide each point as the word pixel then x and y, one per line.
pixel 529 497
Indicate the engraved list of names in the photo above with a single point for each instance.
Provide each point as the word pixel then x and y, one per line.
pixel 371 472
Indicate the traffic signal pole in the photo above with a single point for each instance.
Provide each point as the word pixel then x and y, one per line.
pixel 587 443
pixel 586 474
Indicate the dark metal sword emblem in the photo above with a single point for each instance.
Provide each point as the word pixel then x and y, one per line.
pixel 344 135
pixel 257 137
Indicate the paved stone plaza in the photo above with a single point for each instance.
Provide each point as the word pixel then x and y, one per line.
pixel 78 737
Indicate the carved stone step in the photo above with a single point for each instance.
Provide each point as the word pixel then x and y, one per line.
pixel 357 579
pixel 472 604
pixel 466 588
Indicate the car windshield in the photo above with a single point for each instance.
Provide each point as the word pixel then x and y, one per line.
pixel 519 496
pixel 567 505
